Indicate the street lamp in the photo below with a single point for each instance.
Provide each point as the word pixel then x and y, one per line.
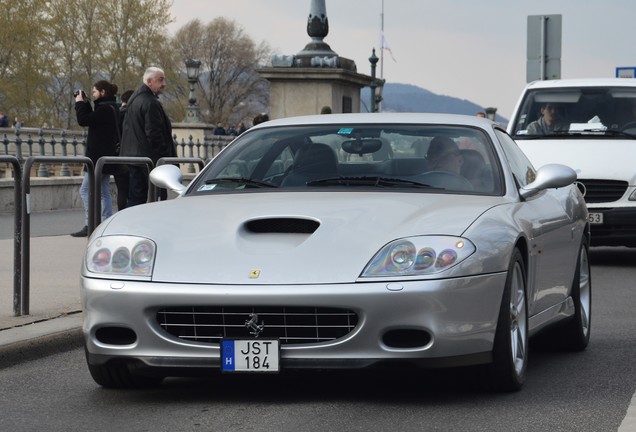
pixel 193 114
pixel 377 84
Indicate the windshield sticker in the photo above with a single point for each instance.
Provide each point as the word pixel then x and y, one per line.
pixel 206 187
pixel 345 131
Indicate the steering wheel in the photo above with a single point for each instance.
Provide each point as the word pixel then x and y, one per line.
pixel 629 125
pixel 446 180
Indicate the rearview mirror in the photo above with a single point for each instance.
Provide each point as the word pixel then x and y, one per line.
pixel 362 146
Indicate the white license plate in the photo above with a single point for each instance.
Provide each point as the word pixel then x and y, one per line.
pixel 250 355
pixel 595 218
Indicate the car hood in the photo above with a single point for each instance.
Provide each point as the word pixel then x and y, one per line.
pixel 208 239
pixel 605 158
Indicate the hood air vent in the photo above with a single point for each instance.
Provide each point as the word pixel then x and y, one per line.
pixel 282 225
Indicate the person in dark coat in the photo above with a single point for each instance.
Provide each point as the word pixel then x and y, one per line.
pixel 147 132
pixel 103 123
pixel 121 176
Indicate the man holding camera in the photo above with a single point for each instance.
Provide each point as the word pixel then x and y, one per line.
pixel 147 132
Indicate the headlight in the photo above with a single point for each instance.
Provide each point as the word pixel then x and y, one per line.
pixel 121 256
pixel 419 256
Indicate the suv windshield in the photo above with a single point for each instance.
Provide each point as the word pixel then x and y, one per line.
pixel 430 158
pixel 608 111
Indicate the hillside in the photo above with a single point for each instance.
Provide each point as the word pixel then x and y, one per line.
pixel 410 98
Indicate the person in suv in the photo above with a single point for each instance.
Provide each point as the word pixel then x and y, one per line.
pixel 597 139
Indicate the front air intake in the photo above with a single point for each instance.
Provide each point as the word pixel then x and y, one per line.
pixel 282 226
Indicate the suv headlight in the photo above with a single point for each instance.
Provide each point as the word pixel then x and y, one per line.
pixel 121 256
pixel 419 256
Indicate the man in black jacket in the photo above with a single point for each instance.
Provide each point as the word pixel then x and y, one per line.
pixel 147 132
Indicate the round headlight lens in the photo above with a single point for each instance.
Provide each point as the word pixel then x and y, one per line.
pixel 446 257
pixel 142 255
pixel 403 256
pixel 425 258
pixel 121 260
pixel 101 259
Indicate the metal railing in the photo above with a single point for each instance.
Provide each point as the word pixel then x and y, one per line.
pixel 17 232
pixel 26 142
pixel 25 251
pixel 22 221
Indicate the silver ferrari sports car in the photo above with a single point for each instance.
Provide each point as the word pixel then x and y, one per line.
pixel 343 241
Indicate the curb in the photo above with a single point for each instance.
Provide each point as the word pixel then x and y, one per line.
pixel 34 341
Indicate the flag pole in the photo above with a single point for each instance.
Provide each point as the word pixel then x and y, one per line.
pixel 382 42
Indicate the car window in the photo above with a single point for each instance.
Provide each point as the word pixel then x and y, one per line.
pixel 418 158
pixel 520 165
pixel 575 111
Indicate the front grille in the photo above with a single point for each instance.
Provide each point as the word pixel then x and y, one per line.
pixel 598 191
pixel 292 325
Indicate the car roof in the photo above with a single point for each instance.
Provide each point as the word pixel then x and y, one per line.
pixel 583 82
pixel 380 118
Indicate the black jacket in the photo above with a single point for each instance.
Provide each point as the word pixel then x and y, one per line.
pixel 147 130
pixel 103 126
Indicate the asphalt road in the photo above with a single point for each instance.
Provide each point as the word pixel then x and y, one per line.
pixel 59 222
pixel 588 391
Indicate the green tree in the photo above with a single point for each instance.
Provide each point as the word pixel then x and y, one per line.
pixel 21 62
pixel 52 47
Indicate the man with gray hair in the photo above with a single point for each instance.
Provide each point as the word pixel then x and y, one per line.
pixel 146 132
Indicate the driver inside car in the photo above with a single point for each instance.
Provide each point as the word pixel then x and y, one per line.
pixel 549 121
pixel 444 155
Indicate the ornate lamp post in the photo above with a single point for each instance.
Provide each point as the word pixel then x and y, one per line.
pixel 377 84
pixel 193 114
pixel 491 113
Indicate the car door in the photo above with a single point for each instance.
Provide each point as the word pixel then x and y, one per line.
pixel 551 228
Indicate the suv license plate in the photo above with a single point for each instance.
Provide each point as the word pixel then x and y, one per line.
pixel 250 355
pixel 595 218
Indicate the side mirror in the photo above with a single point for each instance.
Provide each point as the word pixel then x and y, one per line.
pixel 548 177
pixel 168 177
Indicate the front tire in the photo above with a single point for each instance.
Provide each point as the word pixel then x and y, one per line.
pixel 573 334
pixel 120 376
pixel 510 352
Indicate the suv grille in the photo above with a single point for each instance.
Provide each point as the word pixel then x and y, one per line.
pixel 598 191
pixel 292 325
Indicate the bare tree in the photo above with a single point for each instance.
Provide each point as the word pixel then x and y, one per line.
pixel 231 89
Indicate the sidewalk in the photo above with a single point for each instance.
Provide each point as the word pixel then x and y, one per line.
pixel 55 318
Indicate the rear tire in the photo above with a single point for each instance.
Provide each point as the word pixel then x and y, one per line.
pixel 510 352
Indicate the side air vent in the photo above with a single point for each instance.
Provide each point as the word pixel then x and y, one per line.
pixel 282 225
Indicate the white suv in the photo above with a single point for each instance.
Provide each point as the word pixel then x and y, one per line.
pixel 589 125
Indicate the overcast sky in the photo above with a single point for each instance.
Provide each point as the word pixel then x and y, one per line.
pixel 474 50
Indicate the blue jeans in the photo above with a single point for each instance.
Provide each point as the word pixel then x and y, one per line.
pixel 107 199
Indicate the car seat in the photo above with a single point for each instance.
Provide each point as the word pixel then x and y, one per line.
pixel 312 162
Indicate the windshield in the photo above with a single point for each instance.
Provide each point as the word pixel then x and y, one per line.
pixel 607 111
pixel 433 158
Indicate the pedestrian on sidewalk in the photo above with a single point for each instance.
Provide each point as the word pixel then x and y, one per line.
pixel 122 174
pixel 102 122
pixel 147 132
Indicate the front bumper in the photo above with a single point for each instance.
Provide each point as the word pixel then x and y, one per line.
pixel 460 315
pixel 618 227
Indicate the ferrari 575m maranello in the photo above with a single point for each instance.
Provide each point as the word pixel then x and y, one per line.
pixel 343 241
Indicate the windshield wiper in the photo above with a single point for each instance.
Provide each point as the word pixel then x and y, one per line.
pixel 616 132
pixel 377 181
pixel 241 180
